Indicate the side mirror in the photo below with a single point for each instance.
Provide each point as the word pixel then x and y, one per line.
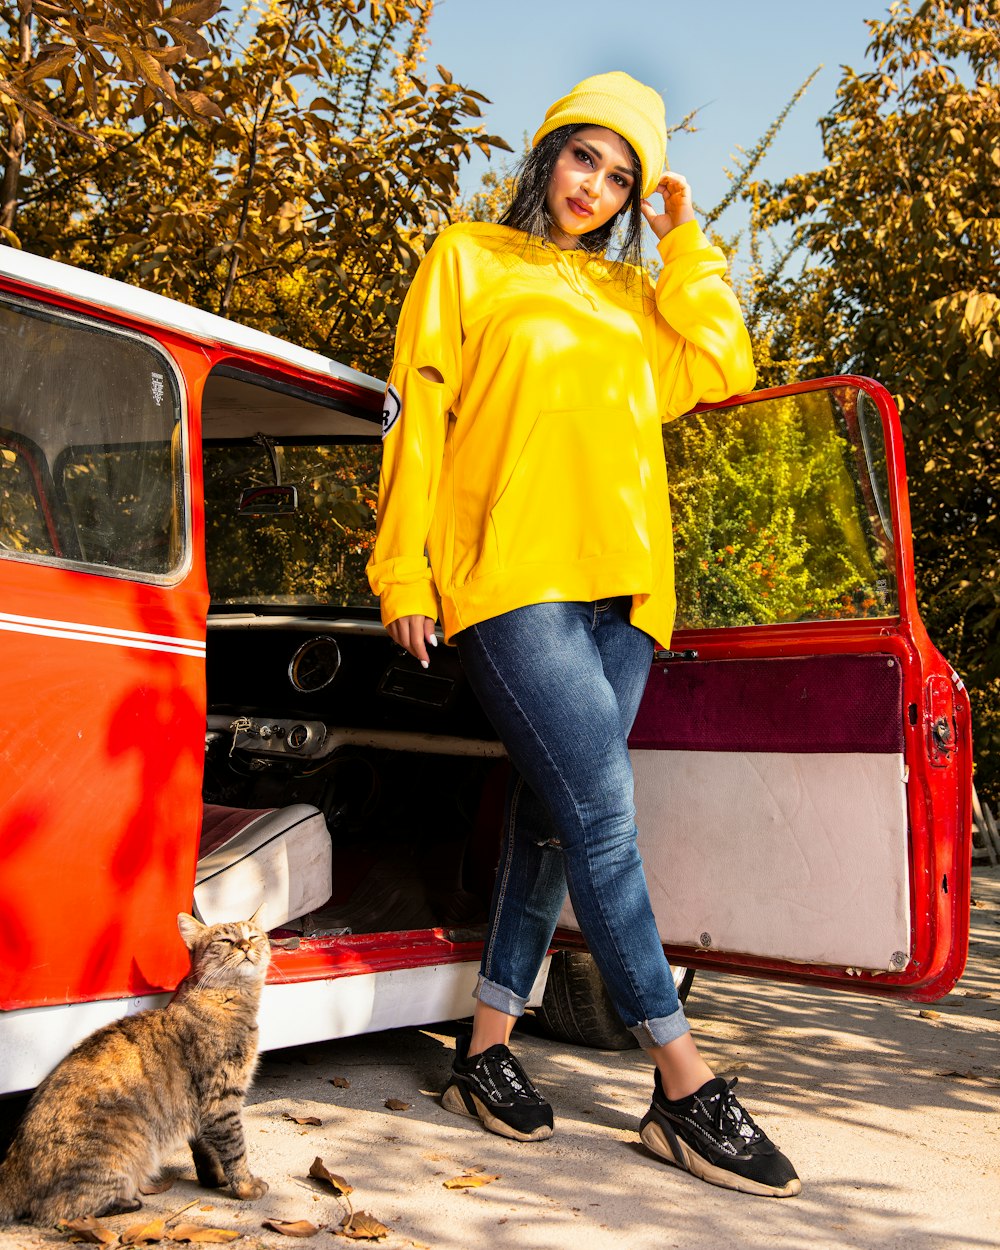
pixel 268 501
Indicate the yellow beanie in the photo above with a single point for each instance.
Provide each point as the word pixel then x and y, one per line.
pixel 617 101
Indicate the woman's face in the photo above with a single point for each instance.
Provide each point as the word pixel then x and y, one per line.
pixel 591 181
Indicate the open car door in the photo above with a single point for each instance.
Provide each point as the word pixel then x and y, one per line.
pixel 802 754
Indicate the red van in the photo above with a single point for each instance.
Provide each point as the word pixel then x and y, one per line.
pixel 201 708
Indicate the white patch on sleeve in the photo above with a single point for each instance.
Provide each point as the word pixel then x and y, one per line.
pixel 392 409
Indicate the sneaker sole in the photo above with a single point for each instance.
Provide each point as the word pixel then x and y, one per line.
pixel 456 1100
pixel 656 1140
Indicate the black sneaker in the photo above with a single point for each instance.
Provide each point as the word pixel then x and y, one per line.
pixel 495 1088
pixel 714 1138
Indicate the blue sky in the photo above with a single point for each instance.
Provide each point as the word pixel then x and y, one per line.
pixel 737 62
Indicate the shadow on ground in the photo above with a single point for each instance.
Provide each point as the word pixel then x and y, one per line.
pixel 892 1118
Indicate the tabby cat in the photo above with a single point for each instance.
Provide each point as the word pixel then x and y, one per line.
pixel 97 1127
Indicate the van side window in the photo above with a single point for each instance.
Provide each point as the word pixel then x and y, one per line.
pixel 91 466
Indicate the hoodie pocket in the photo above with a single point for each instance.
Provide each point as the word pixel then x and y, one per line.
pixel 576 492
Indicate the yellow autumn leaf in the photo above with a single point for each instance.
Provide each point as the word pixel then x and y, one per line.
pixel 363 1227
pixel 87 1229
pixel 319 1171
pixel 199 1233
pixel 145 1234
pixel 292 1228
pixel 470 1180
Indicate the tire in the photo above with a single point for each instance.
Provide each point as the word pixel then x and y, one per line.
pixel 577 1008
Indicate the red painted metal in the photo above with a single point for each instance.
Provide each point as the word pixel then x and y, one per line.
pixel 321 959
pixel 103 752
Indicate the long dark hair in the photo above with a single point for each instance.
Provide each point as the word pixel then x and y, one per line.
pixel 529 212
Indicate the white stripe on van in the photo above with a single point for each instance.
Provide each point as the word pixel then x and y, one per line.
pixel 76 631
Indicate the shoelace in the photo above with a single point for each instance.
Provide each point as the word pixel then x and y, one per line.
pixel 507 1068
pixel 739 1123
pixel 517 1078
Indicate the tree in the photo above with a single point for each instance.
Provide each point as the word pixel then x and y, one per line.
pixel 91 51
pixel 290 184
pixel 902 226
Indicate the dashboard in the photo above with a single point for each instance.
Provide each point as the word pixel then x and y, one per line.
pixel 292 677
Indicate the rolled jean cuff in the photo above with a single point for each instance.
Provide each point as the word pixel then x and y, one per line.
pixel 499 997
pixel 650 1033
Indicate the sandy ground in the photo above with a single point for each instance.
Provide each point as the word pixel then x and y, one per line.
pixel 891 1117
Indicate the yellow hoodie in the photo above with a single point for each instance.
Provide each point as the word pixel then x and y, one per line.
pixel 534 472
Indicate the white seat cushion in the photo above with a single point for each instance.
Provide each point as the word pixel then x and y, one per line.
pixel 279 859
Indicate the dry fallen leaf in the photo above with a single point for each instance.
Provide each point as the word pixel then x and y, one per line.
pixel 930 1015
pixel 301 1119
pixel 159 1186
pixel 341 1082
pixel 320 1172
pixel 978 994
pixel 88 1230
pixel 363 1227
pixel 199 1233
pixel 397 1104
pixel 470 1180
pixel 145 1234
pixel 292 1228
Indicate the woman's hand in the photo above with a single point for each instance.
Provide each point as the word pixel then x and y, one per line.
pixel 414 634
pixel 677 208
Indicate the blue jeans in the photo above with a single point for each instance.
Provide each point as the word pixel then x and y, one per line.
pixel 561 683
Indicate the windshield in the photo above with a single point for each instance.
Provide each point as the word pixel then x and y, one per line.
pixel 314 555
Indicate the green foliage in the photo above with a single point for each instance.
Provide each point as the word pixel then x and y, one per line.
pixel 903 225
pixel 770 519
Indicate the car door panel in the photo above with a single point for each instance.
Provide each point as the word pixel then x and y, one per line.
pixel 803 783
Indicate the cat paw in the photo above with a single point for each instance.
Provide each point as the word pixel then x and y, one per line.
pixel 118 1206
pixel 211 1179
pixel 250 1189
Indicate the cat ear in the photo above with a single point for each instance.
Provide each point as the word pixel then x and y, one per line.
pixel 253 918
pixel 189 928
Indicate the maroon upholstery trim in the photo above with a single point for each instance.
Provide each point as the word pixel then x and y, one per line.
pixel 812 704
pixel 219 824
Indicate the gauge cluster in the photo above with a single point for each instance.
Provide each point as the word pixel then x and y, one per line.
pixel 314 665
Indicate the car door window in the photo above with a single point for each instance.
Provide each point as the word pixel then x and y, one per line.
pixel 779 512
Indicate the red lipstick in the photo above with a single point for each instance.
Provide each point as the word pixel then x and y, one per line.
pixel 581 209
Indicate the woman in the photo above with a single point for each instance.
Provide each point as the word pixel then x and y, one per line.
pixel 522 452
